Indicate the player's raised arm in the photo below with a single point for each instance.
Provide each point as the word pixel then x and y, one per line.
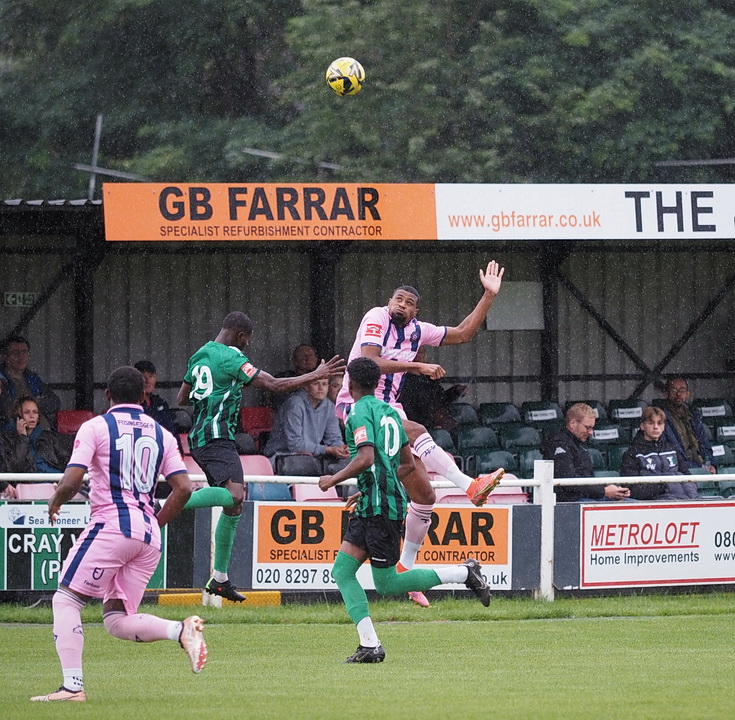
pixel 491 280
pixel 266 381
pixel 432 370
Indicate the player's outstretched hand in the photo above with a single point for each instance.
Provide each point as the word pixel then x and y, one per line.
pixel 54 508
pixel 325 482
pixel 492 277
pixel 335 366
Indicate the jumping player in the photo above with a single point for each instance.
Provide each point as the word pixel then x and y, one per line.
pixel 213 385
pixel 124 451
pixel 381 459
pixel 391 336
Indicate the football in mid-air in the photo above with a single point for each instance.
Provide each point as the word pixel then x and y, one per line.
pixel 345 76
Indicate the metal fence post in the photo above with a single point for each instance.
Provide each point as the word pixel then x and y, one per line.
pixel 543 471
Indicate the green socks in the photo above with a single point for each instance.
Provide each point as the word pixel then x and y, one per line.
pixel 389 582
pixel 224 539
pixel 345 575
pixel 209 497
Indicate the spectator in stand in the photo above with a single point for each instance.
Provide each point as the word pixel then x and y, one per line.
pixel 21 382
pixel 154 405
pixel 566 448
pixel 304 359
pixel 306 423
pixel 651 454
pixel 28 447
pixel 684 427
pixel 4 395
pixel 335 385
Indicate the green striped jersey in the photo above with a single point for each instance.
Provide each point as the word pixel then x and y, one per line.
pixel 373 422
pixel 216 374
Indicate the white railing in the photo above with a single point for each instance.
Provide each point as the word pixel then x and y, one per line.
pixel 543 483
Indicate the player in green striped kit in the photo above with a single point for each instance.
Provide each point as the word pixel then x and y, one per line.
pixel 213 384
pixel 381 457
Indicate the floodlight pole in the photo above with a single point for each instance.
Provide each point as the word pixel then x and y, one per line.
pixel 95 153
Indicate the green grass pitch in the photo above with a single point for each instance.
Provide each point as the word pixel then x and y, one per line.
pixel 638 657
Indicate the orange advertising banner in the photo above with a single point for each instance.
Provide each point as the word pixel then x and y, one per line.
pixel 313 533
pixel 186 212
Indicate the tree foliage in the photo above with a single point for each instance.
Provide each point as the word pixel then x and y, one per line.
pixel 488 91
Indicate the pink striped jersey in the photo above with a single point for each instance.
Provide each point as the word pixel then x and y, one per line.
pixel 124 451
pixel 396 343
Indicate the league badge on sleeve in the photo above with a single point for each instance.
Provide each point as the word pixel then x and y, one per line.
pixel 360 435
pixel 249 369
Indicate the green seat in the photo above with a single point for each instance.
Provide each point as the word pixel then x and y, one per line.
pixel 526 459
pixel 598 460
pixel 542 415
pixel 626 412
pixel 487 461
pixel 443 439
pixel 614 456
pixel 606 434
pixel 464 413
pixel 471 438
pixel 598 407
pixel 498 413
pixel 519 437
pixel 713 408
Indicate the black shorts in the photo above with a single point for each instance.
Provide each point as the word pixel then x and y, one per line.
pixel 220 462
pixel 380 538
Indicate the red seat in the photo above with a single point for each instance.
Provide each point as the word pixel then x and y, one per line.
pixel 257 421
pixel 258 418
pixel 35 491
pixel 69 421
pixel 306 493
pixel 256 465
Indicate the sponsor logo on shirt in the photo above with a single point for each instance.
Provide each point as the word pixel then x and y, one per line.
pixel 373 330
pixel 559 451
pixel 249 369
pixel 360 435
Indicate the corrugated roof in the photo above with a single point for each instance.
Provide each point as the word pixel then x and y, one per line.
pixel 20 203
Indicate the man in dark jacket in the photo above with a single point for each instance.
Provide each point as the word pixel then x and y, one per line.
pixel 684 427
pixel 565 447
pixel 651 454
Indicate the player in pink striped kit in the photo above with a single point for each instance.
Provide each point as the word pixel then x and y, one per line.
pixel 124 452
pixel 391 336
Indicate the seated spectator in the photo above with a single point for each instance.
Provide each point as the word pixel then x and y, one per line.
pixel 21 382
pixel 306 423
pixel 304 360
pixel 335 384
pixel 651 454
pixel 684 427
pixel 566 448
pixel 28 447
pixel 154 405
